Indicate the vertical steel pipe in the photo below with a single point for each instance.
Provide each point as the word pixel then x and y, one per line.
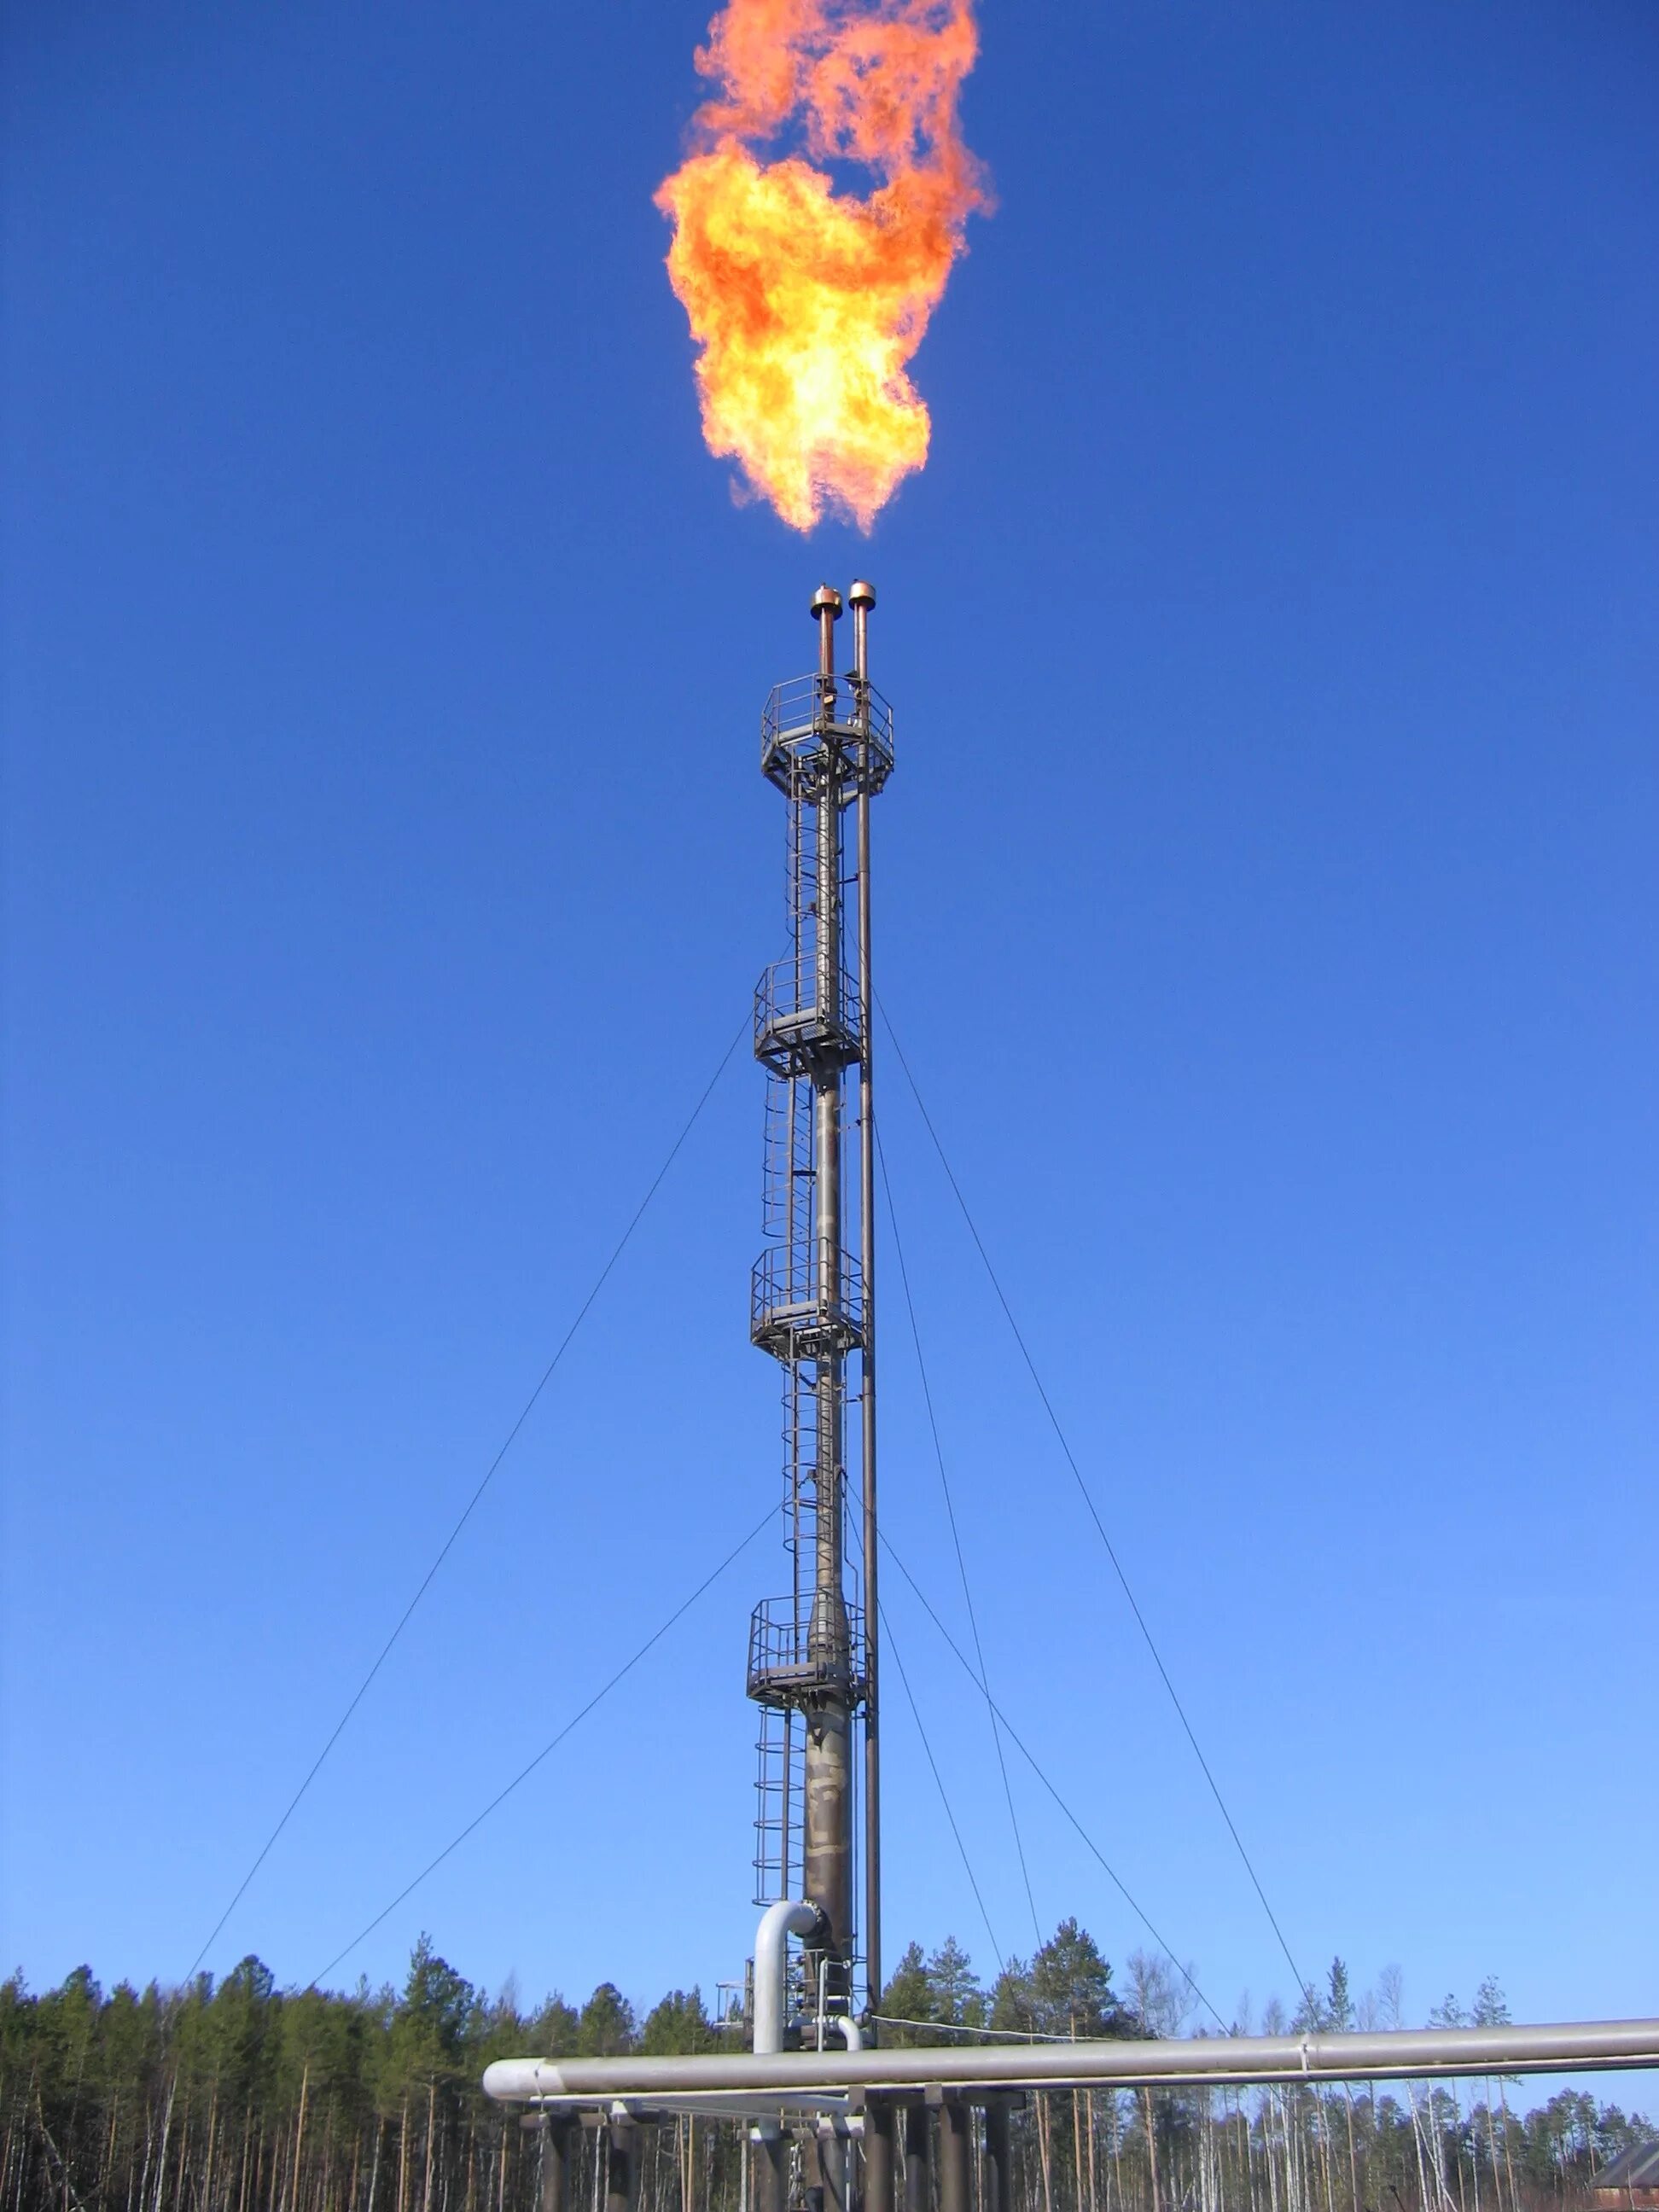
pixel 863 599
pixel 918 2195
pixel 621 2166
pixel 998 2193
pixel 558 2130
pixel 878 2155
pixel 835 2163
pixel 953 2179
pixel 772 2173
pixel 827 1842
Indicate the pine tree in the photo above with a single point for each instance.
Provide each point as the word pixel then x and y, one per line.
pixel 677 2024
pixel 607 2027
pixel 1071 1986
pixel 953 1989
pixel 908 1997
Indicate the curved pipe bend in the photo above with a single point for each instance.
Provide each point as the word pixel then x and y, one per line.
pixel 789 1917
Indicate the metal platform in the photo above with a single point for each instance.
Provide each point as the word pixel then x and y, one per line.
pixel 810 719
pixel 795 1662
pixel 789 1316
pixel 802 1027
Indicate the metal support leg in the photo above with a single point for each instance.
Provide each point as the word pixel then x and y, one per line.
pixel 999 2196
pixel 622 2177
pixel 557 2133
pixel 772 2173
pixel 877 2156
pixel 953 2180
pixel 918 2192
pixel 835 2163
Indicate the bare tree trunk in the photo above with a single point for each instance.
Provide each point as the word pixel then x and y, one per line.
pixel 107 2174
pixel 212 2144
pixel 181 2183
pixel 144 2172
pixel 1491 2153
pixel 299 2133
pixel 166 2132
pixel 1509 2163
pixel 1296 2191
pixel 281 2174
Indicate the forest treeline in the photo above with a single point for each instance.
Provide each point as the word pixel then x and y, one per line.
pixel 237 2096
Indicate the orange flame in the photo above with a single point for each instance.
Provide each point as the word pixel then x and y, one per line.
pixel 809 304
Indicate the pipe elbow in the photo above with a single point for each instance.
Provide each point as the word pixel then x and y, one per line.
pixel 790 1916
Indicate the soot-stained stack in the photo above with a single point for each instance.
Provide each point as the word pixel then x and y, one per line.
pixel 827 744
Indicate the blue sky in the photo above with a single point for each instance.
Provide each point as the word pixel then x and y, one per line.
pixel 1266 905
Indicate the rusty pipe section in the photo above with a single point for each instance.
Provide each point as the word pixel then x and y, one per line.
pixel 1412 2054
pixel 826 613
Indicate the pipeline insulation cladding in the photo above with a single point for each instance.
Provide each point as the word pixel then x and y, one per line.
pixel 807 303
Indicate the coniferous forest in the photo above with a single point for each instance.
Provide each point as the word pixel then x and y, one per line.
pixel 236 2096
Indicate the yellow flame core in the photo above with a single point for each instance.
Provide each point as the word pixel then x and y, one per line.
pixel 808 305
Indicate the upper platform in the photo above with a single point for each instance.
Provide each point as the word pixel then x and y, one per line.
pixel 819 728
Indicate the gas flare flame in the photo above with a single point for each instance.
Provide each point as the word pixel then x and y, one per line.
pixel 808 304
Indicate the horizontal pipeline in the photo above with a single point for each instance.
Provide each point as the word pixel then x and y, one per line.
pixel 1410 2054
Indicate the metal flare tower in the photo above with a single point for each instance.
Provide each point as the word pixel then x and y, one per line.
pixel 827 744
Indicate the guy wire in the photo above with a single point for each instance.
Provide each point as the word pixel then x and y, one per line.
pixel 1030 1757
pixel 1302 1982
pixel 956 1533
pixel 448 1543
pixel 552 1745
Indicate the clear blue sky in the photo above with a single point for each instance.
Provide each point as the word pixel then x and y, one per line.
pixel 1268 905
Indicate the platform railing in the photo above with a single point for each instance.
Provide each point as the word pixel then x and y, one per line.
pixel 810 715
pixel 794 1655
pixel 787 1315
pixel 794 1031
